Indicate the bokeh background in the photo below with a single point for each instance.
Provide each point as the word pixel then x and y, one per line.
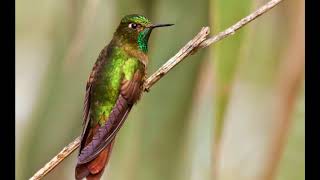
pixel 234 110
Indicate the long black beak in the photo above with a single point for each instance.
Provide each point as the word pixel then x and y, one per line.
pixel 160 25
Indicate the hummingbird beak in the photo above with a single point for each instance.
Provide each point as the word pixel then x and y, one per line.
pixel 159 25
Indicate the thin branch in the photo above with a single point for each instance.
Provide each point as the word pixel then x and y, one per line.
pixel 176 59
pixel 186 51
pixel 231 30
pixel 199 41
pixel 66 151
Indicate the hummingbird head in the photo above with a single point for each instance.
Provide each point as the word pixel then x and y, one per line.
pixel 135 29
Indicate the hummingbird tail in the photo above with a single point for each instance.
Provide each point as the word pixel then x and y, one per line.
pixel 93 170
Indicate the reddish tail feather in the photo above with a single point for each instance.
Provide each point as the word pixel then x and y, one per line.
pixel 93 170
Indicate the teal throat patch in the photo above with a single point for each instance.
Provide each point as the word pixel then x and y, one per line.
pixel 143 39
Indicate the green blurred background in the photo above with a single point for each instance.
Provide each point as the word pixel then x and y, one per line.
pixel 226 94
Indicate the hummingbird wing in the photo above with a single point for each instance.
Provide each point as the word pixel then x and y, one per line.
pixel 85 115
pixel 86 106
pixel 129 93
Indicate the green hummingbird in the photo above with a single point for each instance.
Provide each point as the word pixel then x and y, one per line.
pixel 114 86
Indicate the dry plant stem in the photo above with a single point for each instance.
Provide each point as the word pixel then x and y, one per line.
pixel 65 152
pixel 231 30
pixel 186 51
pixel 199 41
pixel 176 59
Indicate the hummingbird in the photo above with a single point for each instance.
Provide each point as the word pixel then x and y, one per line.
pixel 115 84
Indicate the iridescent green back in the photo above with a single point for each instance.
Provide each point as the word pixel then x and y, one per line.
pixel 117 66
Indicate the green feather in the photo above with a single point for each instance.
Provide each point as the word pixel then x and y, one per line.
pixel 106 91
pixel 139 19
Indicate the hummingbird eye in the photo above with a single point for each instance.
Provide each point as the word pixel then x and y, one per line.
pixel 133 25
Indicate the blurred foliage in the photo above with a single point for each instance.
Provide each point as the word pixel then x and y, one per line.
pixel 292 164
pixel 226 62
pixel 250 117
pixel 170 133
